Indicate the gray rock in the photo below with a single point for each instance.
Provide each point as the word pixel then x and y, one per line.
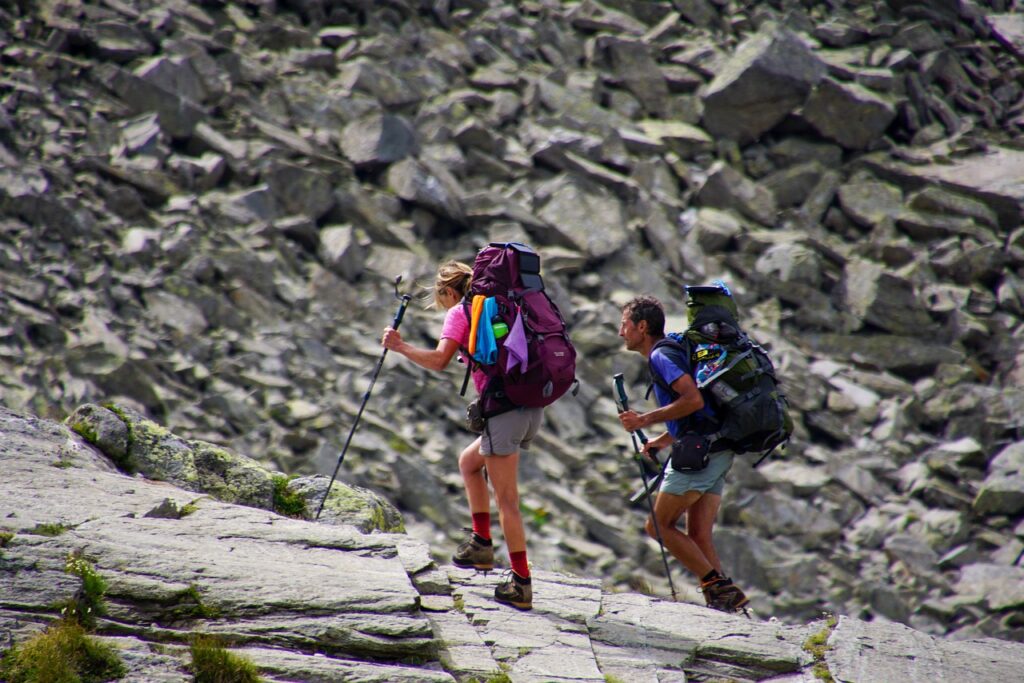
pixel 390 89
pixel 727 188
pixel 793 185
pixel 168 86
pixel 769 75
pixel 633 65
pixel 985 177
pixel 684 139
pixel 1003 489
pixel 869 202
pixel 791 262
pixel 585 217
pixel 936 200
pixel 877 651
pixel 891 352
pixel 300 190
pixel 378 139
pixel 884 300
pixel 429 185
pixel 851 115
pixel 342 251
pixel 103 428
pixel 1008 29
pixel 348 505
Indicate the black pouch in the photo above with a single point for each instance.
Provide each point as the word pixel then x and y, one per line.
pixel 690 452
pixel 475 421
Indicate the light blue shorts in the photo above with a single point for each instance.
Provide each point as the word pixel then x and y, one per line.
pixel 711 479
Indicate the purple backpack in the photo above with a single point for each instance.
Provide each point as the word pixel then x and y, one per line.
pixel 543 363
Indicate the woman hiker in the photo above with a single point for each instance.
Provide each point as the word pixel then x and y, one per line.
pixel 498 450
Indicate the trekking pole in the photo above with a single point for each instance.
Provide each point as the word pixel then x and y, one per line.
pixel 623 405
pixel 405 299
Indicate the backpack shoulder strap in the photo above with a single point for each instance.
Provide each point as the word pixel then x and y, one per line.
pixel 466 306
pixel 674 350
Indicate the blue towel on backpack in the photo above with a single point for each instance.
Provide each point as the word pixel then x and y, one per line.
pixel 486 345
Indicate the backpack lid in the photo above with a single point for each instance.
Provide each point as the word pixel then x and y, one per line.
pixel 713 314
pixel 715 294
pixel 528 262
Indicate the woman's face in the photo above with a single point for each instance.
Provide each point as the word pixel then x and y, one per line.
pixel 448 297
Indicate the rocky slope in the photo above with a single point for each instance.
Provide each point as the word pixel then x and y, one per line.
pixel 307 601
pixel 203 206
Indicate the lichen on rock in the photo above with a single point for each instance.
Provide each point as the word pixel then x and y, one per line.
pixel 137 444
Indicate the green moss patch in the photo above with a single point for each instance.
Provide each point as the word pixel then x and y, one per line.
pixel 817 646
pixel 63 653
pixel 212 663
pixel 286 501
pixel 188 508
pixel 191 605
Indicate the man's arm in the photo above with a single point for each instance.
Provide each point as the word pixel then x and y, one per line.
pixel 689 401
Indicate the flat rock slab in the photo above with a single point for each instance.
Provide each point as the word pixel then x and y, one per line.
pixel 877 651
pixel 318 602
pixel 549 643
pixel 995 177
pixel 250 574
pixel 700 640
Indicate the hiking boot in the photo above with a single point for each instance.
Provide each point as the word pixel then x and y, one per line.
pixel 723 595
pixel 473 554
pixel 515 591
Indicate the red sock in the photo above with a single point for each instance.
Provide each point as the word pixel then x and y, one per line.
pixel 519 564
pixel 482 524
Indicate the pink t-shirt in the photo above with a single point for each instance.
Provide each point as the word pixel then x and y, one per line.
pixel 456 328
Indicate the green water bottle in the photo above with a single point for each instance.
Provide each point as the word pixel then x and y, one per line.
pixel 499 328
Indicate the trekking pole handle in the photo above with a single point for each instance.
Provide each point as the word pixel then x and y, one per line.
pixel 405 299
pixel 401 311
pixel 622 402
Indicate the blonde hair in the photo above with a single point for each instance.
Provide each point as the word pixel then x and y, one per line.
pixel 453 275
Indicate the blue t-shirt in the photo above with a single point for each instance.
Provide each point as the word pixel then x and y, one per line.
pixel 670 366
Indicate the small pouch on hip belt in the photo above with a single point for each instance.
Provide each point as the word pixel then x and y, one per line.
pixel 690 452
pixel 475 421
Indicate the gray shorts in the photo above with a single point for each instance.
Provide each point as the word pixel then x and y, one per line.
pixel 711 479
pixel 511 432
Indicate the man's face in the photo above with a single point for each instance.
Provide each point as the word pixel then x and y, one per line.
pixel 632 333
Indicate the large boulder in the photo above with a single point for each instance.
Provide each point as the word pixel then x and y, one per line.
pixel 768 77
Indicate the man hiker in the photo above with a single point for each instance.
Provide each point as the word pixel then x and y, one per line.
pixel 697 493
pixel 497 450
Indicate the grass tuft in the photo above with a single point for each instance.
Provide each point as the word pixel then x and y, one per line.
pixel 88 602
pixel 48 529
pixel 212 663
pixel 63 653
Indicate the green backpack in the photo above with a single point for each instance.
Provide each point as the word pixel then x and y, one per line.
pixel 733 372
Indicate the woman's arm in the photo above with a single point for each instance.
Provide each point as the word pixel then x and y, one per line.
pixel 431 359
